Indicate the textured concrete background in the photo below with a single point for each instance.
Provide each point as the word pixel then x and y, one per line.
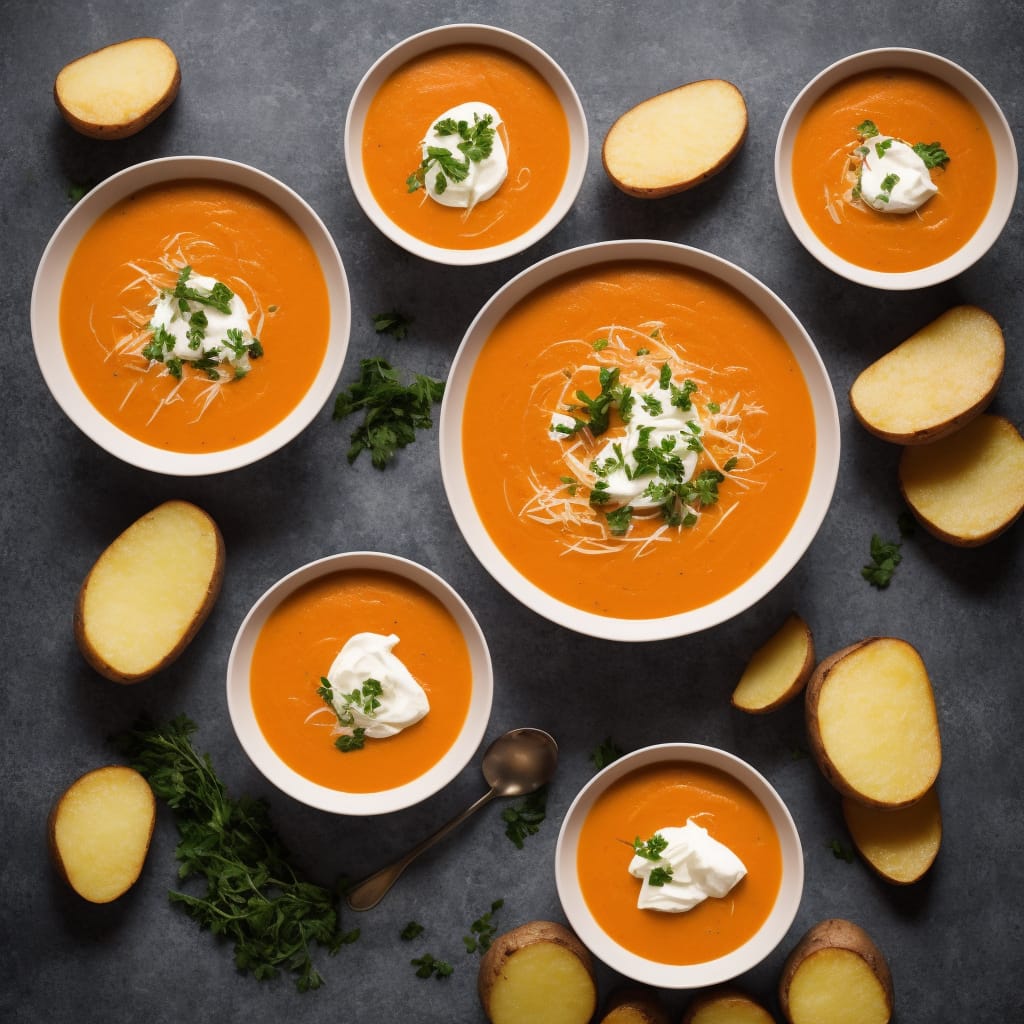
pixel 268 83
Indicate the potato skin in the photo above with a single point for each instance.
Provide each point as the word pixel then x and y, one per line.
pixel 509 943
pixel 643 1004
pixel 131 127
pixel 836 933
pixel 98 662
pixel 724 993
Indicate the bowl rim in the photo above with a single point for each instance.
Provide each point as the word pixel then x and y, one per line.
pixel 801 532
pixel 324 798
pixel 49 282
pixel 1000 134
pixel 449 35
pixel 681 976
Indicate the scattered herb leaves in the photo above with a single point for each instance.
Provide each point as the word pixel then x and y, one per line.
pixel 426 966
pixel 77 192
pixel 867 129
pixel 652 849
pixel 885 556
pixel 841 851
pixel 659 876
pixel 483 930
pixel 411 931
pixel 932 154
pixel 476 145
pixel 394 323
pixel 524 818
pixel 254 897
pixel 605 753
pixel 349 742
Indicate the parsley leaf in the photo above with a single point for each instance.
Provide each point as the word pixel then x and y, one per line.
pixel 476 145
pixel 659 876
pixel 524 818
pixel 619 520
pixel 482 930
pixel 411 931
pixel 885 556
pixel 840 851
pixel 652 849
pixel 426 966
pixel 867 129
pixel 253 897
pixel 932 154
pixel 350 742
pixel 394 323
pixel 605 753
pixel 393 411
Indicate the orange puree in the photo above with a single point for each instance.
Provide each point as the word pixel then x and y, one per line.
pixel 299 642
pixel 225 232
pixel 914 107
pixel 662 796
pixel 715 337
pixel 534 128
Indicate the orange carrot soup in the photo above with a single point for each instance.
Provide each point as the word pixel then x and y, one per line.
pixel 638 439
pixel 918 109
pixel 531 125
pixel 156 257
pixel 296 648
pixel 662 796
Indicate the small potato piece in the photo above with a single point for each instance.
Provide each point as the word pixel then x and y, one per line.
pixel 902 845
pixel 676 140
pixel 836 974
pixel 935 382
pixel 538 973
pixel 634 1006
pixel 115 92
pixel 100 830
pixel 969 487
pixel 149 592
pixel 778 671
pixel 872 725
pixel 726 1006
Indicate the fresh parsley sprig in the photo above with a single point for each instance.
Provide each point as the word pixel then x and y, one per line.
pixel 650 849
pixel 394 323
pixel 476 145
pixel 427 966
pixel 931 153
pixel 659 876
pixel 605 753
pixel 483 930
pixel 524 819
pixel 253 896
pixel 885 557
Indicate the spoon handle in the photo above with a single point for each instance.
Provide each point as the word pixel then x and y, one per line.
pixel 370 891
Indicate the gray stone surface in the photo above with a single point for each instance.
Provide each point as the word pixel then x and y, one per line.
pixel 268 83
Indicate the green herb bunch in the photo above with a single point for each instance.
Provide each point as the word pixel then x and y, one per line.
pixel 254 897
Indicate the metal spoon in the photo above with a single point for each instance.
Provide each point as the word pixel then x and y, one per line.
pixel 515 764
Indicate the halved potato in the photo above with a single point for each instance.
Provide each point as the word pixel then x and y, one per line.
pixel 872 725
pixel 836 975
pixel 115 92
pixel 538 973
pixel 100 830
pixel 778 671
pixel 676 140
pixel 634 1006
pixel 149 592
pixel 969 487
pixel 935 382
pixel 726 1006
pixel 899 845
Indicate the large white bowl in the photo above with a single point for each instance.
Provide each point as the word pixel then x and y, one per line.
pixel 679 976
pixel 289 781
pixel 462 35
pixel 964 83
pixel 46 315
pixel 801 533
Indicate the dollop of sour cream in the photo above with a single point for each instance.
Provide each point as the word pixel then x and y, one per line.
pixel 484 176
pixel 701 866
pixel 403 701
pixel 167 313
pixel 893 178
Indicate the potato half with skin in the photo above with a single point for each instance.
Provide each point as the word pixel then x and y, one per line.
pixel 726 1006
pixel 899 846
pixel 100 830
pixel 538 973
pixel 778 671
pixel 968 488
pixel 836 974
pixel 872 724
pixel 935 382
pixel 676 140
pixel 116 91
pixel 634 1006
pixel 149 592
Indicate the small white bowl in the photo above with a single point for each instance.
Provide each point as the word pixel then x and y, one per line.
pixel 289 781
pixel 49 282
pixel 680 976
pixel 800 534
pixel 461 35
pixel 999 132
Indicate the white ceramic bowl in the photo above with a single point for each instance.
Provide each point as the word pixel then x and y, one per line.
pixel 801 533
pixel 459 35
pixel 46 315
pixel 680 976
pixel 336 801
pixel 979 97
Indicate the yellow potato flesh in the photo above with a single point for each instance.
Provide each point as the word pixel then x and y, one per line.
pixel 732 1010
pixel 900 844
pixel 543 983
pixel 836 986
pixel 775 668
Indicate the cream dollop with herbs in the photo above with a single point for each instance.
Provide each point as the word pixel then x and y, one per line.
pixel 892 175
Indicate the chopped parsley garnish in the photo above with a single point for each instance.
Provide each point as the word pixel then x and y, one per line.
pixel 254 897
pixel 841 851
pixel 524 818
pixel 348 743
pixel 325 690
pixel 600 345
pixel 714 408
pixel 885 556
pixel 682 397
pixel 572 485
pixel 483 930
pixel 393 411
pixel 866 129
pixel 605 753
pixel 476 145
pixel 219 296
pixel 932 154
pixel 411 931
pixel 889 182
pixel 426 966
pixel 652 849
pixel 619 520
pixel 881 148
pixel 394 323
pixel 363 698
pixel 659 876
